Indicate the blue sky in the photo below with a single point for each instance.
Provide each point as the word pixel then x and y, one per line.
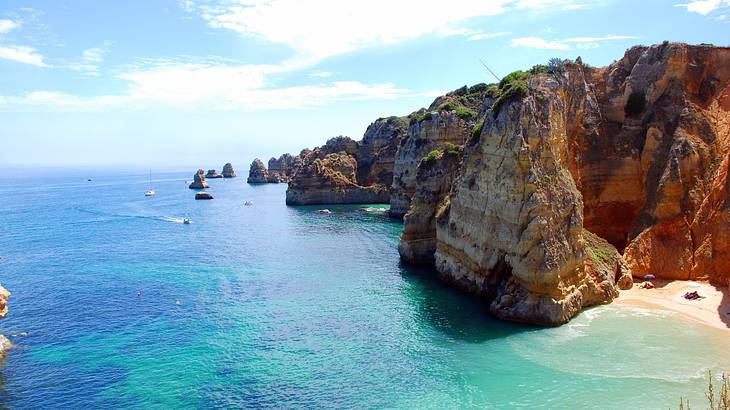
pixel 177 83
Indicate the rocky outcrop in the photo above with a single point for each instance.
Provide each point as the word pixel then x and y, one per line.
pixel 199 180
pixel 213 174
pixel 228 171
pixel 575 164
pixel 4 342
pixel 280 170
pixel 328 175
pixel 344 171
pixel 449 119
pixel 257 173
pixel 434 178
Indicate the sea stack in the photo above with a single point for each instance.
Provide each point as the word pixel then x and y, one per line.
pixel 213 174
pixel 257 173
pixel 199 180
pixel 228 171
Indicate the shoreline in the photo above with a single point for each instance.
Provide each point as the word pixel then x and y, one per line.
pixel 713 309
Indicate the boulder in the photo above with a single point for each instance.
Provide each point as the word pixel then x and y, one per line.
pixel 203 195
pixel 199 180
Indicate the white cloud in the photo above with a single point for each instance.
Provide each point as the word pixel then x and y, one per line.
pixel 704 7
pixel 321 74
pixel 487 36
pixel 318 29
pixel 565 44
pixel 537 42
pixel 22 54
pixel 175 85
pixel 7 25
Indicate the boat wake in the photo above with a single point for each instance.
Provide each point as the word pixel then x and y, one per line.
pixel 109 216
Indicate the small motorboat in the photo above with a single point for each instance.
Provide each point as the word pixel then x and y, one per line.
pixel 247 203
pixel 186 221
pixel 203 195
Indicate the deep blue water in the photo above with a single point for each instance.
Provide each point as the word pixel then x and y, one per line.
pixel 273 306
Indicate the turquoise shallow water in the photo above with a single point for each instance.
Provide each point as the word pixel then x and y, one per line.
pixel 285 307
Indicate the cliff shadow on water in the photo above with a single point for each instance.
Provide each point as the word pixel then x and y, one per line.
pixel 457 314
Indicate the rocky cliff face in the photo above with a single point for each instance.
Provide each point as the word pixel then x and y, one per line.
pixel 434 179
pixel 280 170
pixel 4 342
pixel 369 174
pixel 448 120
pixel 213 174
pixel 257 173
pixel 228 171
pixel 199 180
pixel 636 153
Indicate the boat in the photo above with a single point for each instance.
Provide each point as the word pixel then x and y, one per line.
pixel 150 192
pixel 186 219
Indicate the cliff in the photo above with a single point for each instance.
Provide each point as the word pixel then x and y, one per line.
pixel 449 119
pixel 344 171
pixel 279 170
pixel 546 192
pixel 636 153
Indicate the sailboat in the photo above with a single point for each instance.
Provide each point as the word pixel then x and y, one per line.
pixel 150 192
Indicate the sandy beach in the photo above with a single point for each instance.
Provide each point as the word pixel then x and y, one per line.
pixel 713 309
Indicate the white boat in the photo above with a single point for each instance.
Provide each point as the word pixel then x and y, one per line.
pixel 150 192
pixel 186 221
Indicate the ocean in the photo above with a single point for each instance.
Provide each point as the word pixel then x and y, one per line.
pixel 269 306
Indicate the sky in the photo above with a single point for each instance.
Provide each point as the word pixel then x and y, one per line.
pixel 196 83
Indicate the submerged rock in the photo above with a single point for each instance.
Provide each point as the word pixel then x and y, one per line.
pixel 228 171
pixel 199 180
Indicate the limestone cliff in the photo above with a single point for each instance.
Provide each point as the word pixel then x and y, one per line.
pixel 369 168
pixel 279 170
pixel 449 119
pixel 636 153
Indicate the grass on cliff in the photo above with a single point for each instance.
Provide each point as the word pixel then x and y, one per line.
pixel 446 148
pixel 718 397
pixel 512 86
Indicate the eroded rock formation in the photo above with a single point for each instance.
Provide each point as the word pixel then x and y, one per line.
pixel 213 174
pixel 199 180
pixel 4 342
pixel 228 171
pixel 344 171
pixel 636 153
pixel 449 119
pixel 257 173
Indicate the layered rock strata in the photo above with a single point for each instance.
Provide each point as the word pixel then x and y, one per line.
pixel 344 171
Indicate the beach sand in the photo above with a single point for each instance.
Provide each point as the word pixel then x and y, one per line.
pixel 713 309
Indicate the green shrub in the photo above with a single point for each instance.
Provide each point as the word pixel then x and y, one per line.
pixel 478 88
pixel 449 106
pixel 449 148
pixel 465 114
pixel 512 86
pixel 476 131
pixel 432 156
pixel 538 69
pixel 555 66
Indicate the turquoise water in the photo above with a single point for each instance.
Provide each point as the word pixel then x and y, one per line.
pixel 285 307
